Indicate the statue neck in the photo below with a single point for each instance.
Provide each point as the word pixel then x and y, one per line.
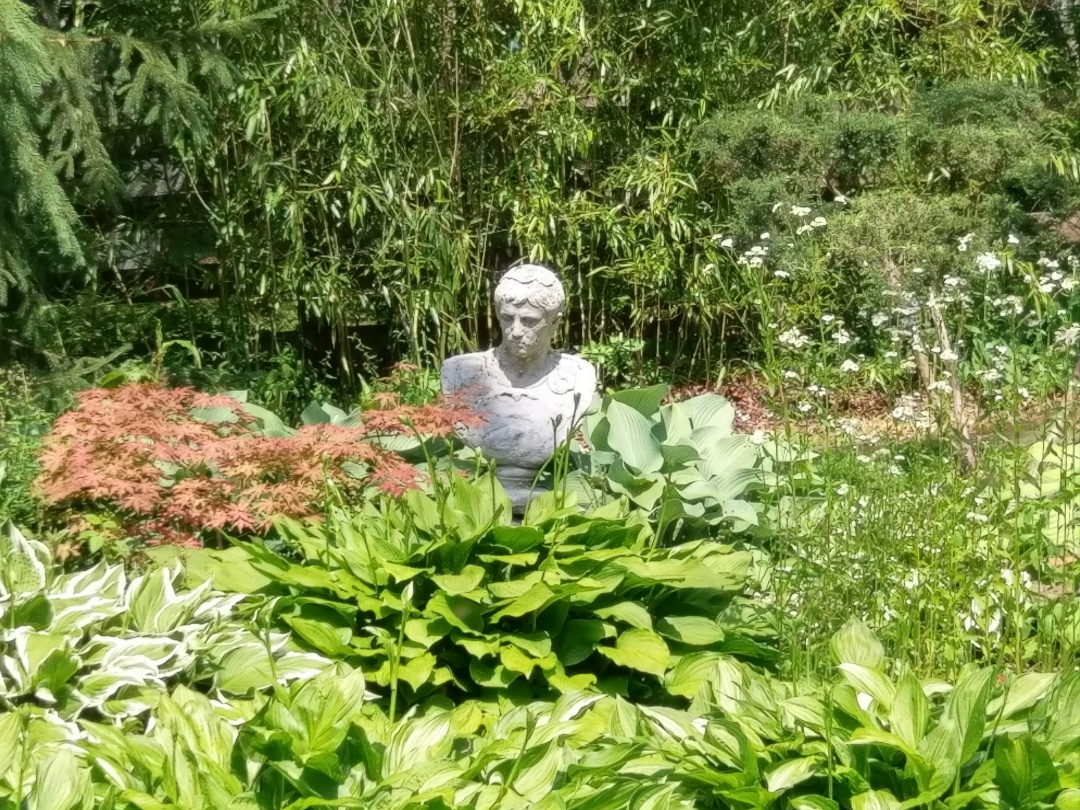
pixel 522 372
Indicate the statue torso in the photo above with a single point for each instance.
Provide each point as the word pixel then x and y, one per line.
pixel 522 425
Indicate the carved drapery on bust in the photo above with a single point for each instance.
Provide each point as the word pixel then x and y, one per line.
pixel 528 396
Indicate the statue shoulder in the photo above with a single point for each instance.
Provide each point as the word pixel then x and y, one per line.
pixel 463 369
pixel 576 373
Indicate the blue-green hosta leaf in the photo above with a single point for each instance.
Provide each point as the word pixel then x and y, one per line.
pixel 643 489
pixel 790 773
pixel 710 411
pixel 854 643
pixel 642 650
pixel 1025 774
pixel 741 514
pixel 268 422
pixel 722 455
pixel 23 563
pixel 630 435
pixel 645 401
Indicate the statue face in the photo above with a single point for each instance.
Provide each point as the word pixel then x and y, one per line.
pixel 527 330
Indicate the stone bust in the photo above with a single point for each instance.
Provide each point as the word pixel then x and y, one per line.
pixel 528 396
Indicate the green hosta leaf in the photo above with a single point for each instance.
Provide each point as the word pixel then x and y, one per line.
pixel 638 649
pixel 1025 773
pixel 1022 693
pixel 578 640
pixel 965 708
pixel 269 423
pixel 417 671
pixel 515 660
pixel 813 802
pixel 12 725
pixel 690 573
pixel 418 740
pixel 22 563
pixel 517 539
pixel 721 456
pixel 875 800
pixel 633 613
pixel 61 784
pixel 630 435
pixel 325 630
pixel 696 631
pixel 1068 800
pixel 325 706
pixel 536 598
pixel 855 644
pixel 790 773
pixel 686 677
pixel 468 580
pixel 497 676
pixel 710 411
pixel 462 613
pixel 909 714
pixel 427 631
pixel 645 401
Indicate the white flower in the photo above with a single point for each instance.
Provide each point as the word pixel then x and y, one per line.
pixel 892 469
pixel 842 336
pixel 1013 240
pixel 899 412
pixel 964 242
pixel 791 375
pixel 1024 393
pixel 781 274
pixel 819 222
pixel 1067 335
pixel 949 356
pixel 803 229
pixel 758 437
pixel 987 262
pixel 1001 349
pixel 891 355
pixel 879 319
pixel 976 517
pixel 765 236
pixel 939 385
pixel 799 210
pixel 863 459
pixel 726 243
pixel 1068 284
pixel 843 490
pixel 805 407
pixel 918 271
pixel 828 318
pixel 849 366
pixel 953 281
pixel 794 338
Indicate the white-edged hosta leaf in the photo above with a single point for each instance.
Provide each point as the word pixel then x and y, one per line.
pixel 22 563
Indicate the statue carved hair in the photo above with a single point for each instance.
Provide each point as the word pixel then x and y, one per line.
pixel 531 284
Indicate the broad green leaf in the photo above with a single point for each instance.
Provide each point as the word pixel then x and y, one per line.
pixel 875 800
pixel 791 772
pixel 638 649
pixel 1068 800
pixel 61 784
pixel 855 644
pixel 632 613
pixel 22 563
pixel 536 598
pixel 578 640
pixel 324 707
pixel 462 613
pixel 687 676
pixel 872 682
pixel 630 435
pixel 1025 773
pixel 813 802
pixel 468 580
pixel 426 631
pixel 965 707
pixel 710 411
pixel 11 740
pixel 909 714
pixel 645 401
pixel 1022 693
pixel 517 539
pixel 696 631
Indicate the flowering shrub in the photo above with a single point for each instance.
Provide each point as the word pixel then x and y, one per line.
pixel 175 464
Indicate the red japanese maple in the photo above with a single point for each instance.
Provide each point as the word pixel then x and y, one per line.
pixel 139 451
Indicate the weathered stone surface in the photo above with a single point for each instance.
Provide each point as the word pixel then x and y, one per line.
pixel 529 396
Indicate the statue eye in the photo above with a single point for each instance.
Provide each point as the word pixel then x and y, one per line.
pixel 530 322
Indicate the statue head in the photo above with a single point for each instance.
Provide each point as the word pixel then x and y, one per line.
pixel 529 302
